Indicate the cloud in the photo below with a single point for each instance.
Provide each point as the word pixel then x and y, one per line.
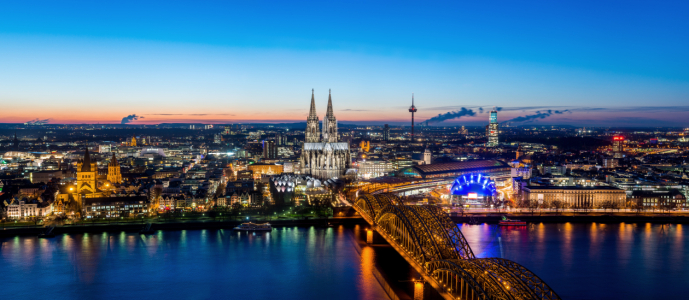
pixel 36 121
pixel 537 115
pixel 191 115
pixel 130 118
pixel 452 115
pixel 480 110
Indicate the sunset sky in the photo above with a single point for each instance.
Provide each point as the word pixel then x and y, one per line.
pixel 617 63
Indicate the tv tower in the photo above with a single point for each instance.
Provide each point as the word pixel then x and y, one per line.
pixel 412 110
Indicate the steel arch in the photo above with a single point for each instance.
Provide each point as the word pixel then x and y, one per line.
pixel 429 237
pixel 426 249
pixel 528 278
pixel 444 226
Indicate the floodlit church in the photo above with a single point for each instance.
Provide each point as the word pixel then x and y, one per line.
pixel 89 184
pixel 323 156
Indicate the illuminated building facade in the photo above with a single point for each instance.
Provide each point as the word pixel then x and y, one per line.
pixel 617 146
pixel 365 146
pixel 493 129
pixel 267 169
pixel 473 189
pixel 574 196
pixel 114 175
pixel 323 156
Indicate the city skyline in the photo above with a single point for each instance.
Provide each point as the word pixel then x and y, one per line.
pixel 237 63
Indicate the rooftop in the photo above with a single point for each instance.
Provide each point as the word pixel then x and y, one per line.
pixel 462 165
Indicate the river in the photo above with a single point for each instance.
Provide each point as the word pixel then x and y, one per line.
pixel 579 261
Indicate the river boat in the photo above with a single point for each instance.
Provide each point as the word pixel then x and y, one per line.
pixel 48 232
pixel 508 222
pixel 254 227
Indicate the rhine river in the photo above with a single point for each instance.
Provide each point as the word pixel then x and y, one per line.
pixel 579 261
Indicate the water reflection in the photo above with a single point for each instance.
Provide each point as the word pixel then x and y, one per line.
pixel 613 261
pixel 288 263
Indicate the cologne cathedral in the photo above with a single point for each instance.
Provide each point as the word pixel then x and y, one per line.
pixel 322 156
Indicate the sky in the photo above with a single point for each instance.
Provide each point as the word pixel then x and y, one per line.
pixel 582 63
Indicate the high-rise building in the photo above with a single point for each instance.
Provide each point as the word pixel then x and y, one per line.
pixel 617 146
pixel 412 110
pixel 270 151
pixel 427 156
pixel 280 139
pixel 493 129
pixel 386 133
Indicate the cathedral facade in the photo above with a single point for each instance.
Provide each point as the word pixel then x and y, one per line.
pixel 323 156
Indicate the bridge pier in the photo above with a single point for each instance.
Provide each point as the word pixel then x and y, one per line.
pixel 373 237
pixel 419 289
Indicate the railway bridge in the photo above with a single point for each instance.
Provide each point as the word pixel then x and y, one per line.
pixel 433 244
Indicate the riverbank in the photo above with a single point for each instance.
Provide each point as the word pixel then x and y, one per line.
pixel 170 225
pixel 610 218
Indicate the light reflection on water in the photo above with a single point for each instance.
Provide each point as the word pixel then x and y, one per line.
pixel 288 263
pixel 594 261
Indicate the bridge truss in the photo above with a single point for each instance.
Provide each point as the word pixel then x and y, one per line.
pixel 432 242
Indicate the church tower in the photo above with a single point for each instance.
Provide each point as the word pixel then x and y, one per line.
pixel 330 123
pixel 86 175
pixel 312 134
pixel 114 175
pixel 133 143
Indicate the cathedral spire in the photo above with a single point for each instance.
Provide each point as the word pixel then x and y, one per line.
pixel 330 113
pixel 312 132
pixel 312 112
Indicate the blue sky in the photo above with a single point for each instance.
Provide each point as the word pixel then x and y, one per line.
pixel 248 61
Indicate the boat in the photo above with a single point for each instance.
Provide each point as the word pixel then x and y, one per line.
pixel 147 229
pixel 254 227
pixel 507 222
pixel 48 232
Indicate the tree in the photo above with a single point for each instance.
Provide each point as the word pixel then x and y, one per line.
pixel 236 209
pixel 557 205
pixel 607 204
pixel 156 193
pixel 637 206
pixel 531 205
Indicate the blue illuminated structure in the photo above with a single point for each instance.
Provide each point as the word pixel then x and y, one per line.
pixel 473 183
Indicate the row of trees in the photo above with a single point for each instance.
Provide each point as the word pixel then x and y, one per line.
pixel 557 206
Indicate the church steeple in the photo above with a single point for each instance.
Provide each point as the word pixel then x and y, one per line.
pixel 312 111
pixel 330 113
pixel 114 175
pixel 113 161
pixel 312 132
pixel 86 164
pixel 330 123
